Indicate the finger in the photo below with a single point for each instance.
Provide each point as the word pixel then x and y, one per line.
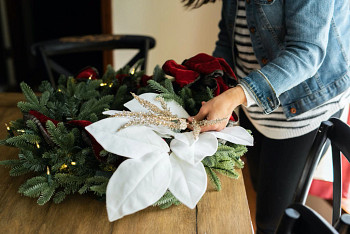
pixel 200 115
pixel 215 127
pixel 189 122
pixel 203 102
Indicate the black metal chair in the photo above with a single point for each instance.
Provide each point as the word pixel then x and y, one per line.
pixel 298 218
pixel 67 45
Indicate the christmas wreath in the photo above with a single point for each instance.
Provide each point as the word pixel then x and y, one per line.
pixel 124 136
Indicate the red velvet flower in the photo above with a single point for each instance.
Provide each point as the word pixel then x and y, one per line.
pixel 144 80
pixel 201 67
pixel 88 73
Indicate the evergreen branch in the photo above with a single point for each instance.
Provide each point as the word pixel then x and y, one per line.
pixel 29 94
pixel 32 126
pixel 19 170
pixel 167 200
pixel 213 178
pixel 46 195
pixel 169 86
pixel 10 163
pixel 157 86
pixel 59 197
pixel 84 189
pixel 30 138
pixel 97 180
pixel 44 98
pixel 17 124
pixel 95 106
pixel 120 98
pixel 229 173
pixel 31 182
pixel 99 189
pixel 158 74
pixel 35 190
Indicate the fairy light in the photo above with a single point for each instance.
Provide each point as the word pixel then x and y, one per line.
pixel 7 127
pixel 103 84
pixel 73 163
pixel 21 131
pixel 132 71
pixel 37 145
pixel 110 85
pixel 90 77
pixel 48 170
pixel 64 166
pixel 59 90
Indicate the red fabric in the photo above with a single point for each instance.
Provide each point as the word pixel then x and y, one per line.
pixel 206 64
pixel 42 118
pixel 324 189
pixel 183 76
pixel 221 86
pixel 201 64
pixel 144 80
pixel 88 73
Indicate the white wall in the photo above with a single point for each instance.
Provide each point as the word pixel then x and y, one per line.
pixel 180 33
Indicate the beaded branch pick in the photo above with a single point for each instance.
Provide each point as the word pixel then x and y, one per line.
pixel 162 117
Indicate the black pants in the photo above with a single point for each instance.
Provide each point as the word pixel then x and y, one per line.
pixel 275 167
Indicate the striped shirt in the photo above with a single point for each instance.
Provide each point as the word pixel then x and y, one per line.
pixel 275 125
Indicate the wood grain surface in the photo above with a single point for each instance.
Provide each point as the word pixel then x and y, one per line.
pixel 217 213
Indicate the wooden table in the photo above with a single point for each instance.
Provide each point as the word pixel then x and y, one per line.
pixel 218 212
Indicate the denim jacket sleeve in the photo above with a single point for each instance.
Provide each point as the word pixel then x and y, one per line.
pixel 307 26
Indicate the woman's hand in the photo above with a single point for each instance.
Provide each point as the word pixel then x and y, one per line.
pixel 220 107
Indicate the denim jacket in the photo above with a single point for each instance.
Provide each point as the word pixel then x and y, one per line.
pixel 303 47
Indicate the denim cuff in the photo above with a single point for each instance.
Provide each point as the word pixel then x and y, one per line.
pixel 259 87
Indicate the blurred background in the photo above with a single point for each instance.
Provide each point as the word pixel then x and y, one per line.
pixel 180 33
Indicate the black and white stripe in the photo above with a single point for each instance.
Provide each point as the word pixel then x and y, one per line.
pixel 245 60
pixel 275 125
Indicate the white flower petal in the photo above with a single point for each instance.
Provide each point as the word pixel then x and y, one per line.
pixel 193 151
pixel 188 182
pixel 132 142
pixel 174 107
pixel 137 184
pixel 112 112
pixel 236 135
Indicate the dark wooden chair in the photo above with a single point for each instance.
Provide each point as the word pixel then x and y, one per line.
pixel 298 218
pixel 46 50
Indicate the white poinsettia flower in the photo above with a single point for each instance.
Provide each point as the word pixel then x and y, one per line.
pixel 154 166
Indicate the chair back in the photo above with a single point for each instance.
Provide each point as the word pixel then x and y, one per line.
pixel 298 218
pixel 46 50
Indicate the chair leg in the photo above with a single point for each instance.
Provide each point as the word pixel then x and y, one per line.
pixel 288 220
